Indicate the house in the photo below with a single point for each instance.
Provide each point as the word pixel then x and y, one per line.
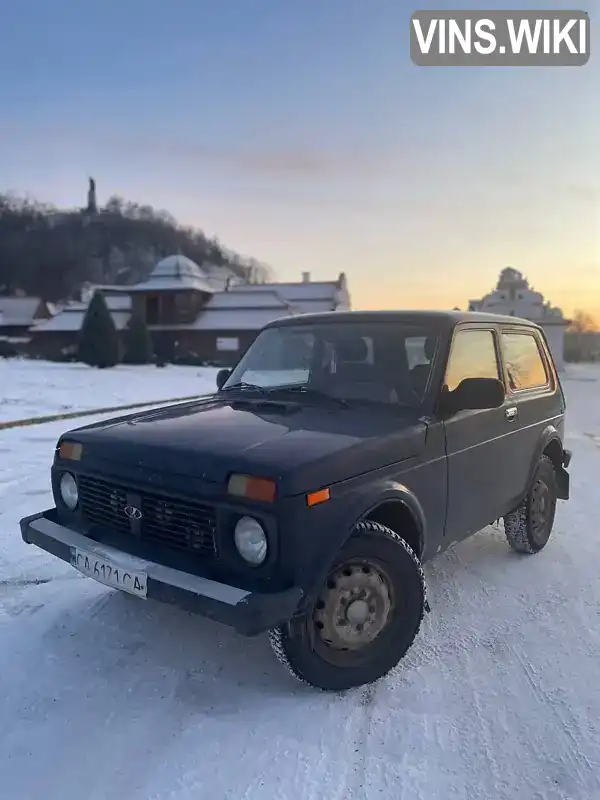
pixel 195 311
pixel 226 326
pixel 514 297
pixel 58 337
pixel 18 315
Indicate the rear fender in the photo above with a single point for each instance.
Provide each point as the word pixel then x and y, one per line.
pixel 550 443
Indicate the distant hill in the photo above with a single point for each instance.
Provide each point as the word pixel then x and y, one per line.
pixel 48 252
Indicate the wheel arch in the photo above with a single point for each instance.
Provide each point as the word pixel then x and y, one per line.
pixel 554 450
pixel 550 445
pixel 396 507
pixel 387 500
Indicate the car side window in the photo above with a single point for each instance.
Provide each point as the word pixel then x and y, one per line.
pixel 524 363
pixel 473 355
pixel 415 351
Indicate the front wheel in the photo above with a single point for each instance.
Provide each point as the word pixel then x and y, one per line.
pixel 528 527
pixel 365 618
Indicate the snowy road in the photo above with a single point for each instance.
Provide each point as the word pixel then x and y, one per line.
pixel 105 696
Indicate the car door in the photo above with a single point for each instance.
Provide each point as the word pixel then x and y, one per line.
pixel 480 447
pixel 534 399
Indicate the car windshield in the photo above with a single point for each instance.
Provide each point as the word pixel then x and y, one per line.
pixel 379 362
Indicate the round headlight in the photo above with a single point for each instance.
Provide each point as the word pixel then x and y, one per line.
pixel 68 491
pixel 250 541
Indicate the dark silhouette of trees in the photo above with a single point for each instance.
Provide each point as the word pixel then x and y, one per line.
pixel 48 252
pixel 99 344
pixel 581 338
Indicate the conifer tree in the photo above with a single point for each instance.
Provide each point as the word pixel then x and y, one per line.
pixel 138 342
pixel 99 344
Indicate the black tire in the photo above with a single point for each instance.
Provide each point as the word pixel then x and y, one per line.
pixel 528 527
pixel 372 554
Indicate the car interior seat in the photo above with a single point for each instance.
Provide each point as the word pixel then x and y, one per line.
pixel 355 376
pixel 420 372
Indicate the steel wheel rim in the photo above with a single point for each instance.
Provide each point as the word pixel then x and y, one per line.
pixel 540 511
pixel 352 611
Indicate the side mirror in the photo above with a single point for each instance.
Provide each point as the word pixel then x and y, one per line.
pixel 222 376
pixel 474 394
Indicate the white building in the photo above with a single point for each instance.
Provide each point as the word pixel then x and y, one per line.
pixel 514 297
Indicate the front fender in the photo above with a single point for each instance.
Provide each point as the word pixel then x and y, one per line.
pixel 361 505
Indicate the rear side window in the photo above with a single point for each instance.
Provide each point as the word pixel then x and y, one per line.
pixel 524 363
pixel 473 355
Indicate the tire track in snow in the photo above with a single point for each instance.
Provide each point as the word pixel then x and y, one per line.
pixel 568 729
pixel 366 702
pixel 487 734
pixel 580 761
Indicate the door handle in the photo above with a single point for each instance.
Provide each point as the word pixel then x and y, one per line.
pixel 511 414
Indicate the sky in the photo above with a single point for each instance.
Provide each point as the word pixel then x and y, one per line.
pixel 300 133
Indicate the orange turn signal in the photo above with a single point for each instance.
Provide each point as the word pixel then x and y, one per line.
pixel 252 488
pixel 320 496
pixel 71 451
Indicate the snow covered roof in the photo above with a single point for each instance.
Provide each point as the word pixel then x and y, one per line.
pixel 118 302
pixel 70 320
pixel 321 290
pixel 114 302
pixel 18 310
pixel 237 319
pixel 315 306
pixel 173 273
pixel 242 298
pixel 309 296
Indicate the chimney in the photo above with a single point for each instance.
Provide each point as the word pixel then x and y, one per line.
pixel 306 277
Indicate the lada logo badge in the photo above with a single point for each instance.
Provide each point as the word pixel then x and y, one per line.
pixel 132 512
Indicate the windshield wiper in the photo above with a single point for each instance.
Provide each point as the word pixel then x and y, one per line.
pixel 243 385
pixel 309 393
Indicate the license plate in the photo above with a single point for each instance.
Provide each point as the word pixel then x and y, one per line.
pixel 109 573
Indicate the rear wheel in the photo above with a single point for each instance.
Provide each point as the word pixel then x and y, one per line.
pixel 365 618
pixel 528 528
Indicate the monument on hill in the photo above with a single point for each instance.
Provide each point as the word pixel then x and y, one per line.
pixel 92 206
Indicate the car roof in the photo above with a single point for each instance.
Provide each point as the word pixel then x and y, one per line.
pixel 443 319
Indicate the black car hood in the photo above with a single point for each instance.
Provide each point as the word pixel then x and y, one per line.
pixel 300 445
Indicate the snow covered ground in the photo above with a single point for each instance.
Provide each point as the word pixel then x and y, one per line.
pixel 34 388
pixel 103 696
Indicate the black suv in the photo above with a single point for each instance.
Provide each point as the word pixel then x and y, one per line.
pixel 342 452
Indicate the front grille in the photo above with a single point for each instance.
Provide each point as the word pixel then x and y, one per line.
pixel 185 525
pixel 103 503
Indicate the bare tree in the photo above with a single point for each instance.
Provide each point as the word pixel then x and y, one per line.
pixel 583 322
